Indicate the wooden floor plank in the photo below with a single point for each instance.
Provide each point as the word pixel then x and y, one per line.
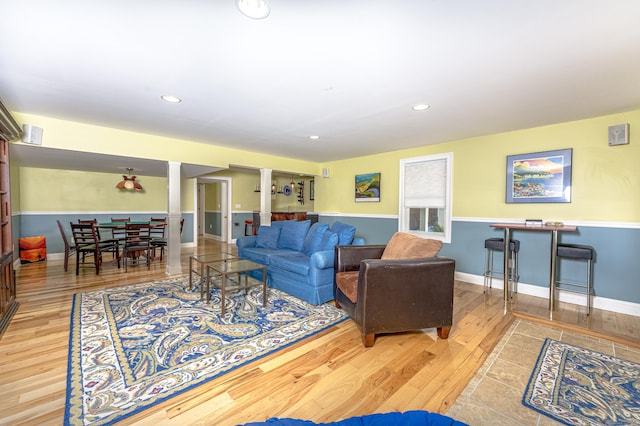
pixel 326 377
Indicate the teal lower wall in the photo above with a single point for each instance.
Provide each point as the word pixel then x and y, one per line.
pixel 213 223
pixel 32 225
pixel 616 270
pixel 237 230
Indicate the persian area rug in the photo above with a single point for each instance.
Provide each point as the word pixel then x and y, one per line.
pixel 135 346
pixel 577 386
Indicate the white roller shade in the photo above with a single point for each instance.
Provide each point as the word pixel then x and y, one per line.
pixel 425 184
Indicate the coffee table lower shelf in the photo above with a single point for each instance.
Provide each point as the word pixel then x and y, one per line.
pixel 233 275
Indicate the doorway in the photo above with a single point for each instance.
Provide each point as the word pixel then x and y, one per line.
pixel 214 208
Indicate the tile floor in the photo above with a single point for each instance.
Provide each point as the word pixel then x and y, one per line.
pixel 494 395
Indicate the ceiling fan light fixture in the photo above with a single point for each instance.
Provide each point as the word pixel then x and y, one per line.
pixel 314 137
pixel 128 183
pixel 254 9
pixel 420 107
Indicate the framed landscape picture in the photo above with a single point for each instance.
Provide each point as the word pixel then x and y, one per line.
pixel 539 177
pixel 368 187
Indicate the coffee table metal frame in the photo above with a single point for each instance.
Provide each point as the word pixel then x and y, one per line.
pixel 200 268
pixel 242 282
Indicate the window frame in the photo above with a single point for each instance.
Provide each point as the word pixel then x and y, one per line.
pixel 403 214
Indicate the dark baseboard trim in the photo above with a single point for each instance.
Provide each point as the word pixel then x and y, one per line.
pixel 4 322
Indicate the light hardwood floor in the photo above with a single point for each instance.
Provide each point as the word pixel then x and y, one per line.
pixel 326 377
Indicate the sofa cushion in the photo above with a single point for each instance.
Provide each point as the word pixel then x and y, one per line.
pixel 292 234
pixel 345 232
pixel 264 255
pixel 408 246
pixel 268 237
pixel 347 282
pixel 296 262
pixel 313 240
pixel 329 240
pixel 280 223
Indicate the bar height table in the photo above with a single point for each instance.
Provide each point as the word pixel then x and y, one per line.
pixel 508 227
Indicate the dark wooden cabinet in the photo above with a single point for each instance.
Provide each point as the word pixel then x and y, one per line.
pixel 299 216
pixel 8 302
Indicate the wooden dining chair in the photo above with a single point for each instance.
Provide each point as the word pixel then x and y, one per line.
pixel 118 233
pixel 158 237
pixel 101 238
pixel 87 244
pixel 68 250
pixel 137 243
pixel 94 221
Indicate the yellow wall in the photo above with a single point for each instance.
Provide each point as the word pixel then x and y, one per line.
pixel 605 179
pixel 103 140
pixel 15 187
pixel 67 190
pixel 212 197
pixel 244 194
pixel 243 184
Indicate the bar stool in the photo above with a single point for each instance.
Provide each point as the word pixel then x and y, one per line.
pixel 580 253
pixel 492 245
pixel 247 224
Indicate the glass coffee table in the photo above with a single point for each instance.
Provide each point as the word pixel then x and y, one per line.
pixel 198 266
pixel 234 275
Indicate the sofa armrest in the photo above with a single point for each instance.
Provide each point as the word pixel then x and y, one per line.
pixel 321 259
pixel 246 241
pixel 348 258
pixel 357 241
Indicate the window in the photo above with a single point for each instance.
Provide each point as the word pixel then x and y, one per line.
pixel 425 196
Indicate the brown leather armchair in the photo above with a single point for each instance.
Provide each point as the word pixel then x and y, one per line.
pixel 386 294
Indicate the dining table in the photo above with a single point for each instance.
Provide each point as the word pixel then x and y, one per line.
pixel 122 225
pixel 553 230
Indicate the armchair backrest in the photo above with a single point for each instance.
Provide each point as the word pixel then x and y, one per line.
pixel 408 246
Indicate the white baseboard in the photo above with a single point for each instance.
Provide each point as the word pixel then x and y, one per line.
pixel 60 256
pixel 613 305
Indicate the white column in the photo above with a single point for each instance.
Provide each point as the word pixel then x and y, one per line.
pixel 265 197
pixel 173 218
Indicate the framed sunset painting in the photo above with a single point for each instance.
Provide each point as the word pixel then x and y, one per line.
pixel 539 177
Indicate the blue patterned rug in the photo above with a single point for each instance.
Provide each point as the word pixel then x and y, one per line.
pixel 578 386
pixel 135 346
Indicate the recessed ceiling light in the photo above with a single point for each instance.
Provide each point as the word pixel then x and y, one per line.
pixel 254 9
pixel 172 99
pixel 420 107
pixel 314 137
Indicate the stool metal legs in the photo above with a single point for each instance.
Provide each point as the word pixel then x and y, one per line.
pixel 552 270
pixel 490 273
pixel 576 287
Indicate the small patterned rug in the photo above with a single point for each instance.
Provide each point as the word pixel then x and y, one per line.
pixel 135 346
pixel 578 386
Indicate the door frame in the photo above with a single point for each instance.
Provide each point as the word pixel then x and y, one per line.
pixel 225 205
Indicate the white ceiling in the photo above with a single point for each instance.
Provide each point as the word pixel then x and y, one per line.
pixel 346 70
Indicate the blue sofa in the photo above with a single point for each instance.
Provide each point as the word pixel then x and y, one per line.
pixel 299 256
pixel 408 418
